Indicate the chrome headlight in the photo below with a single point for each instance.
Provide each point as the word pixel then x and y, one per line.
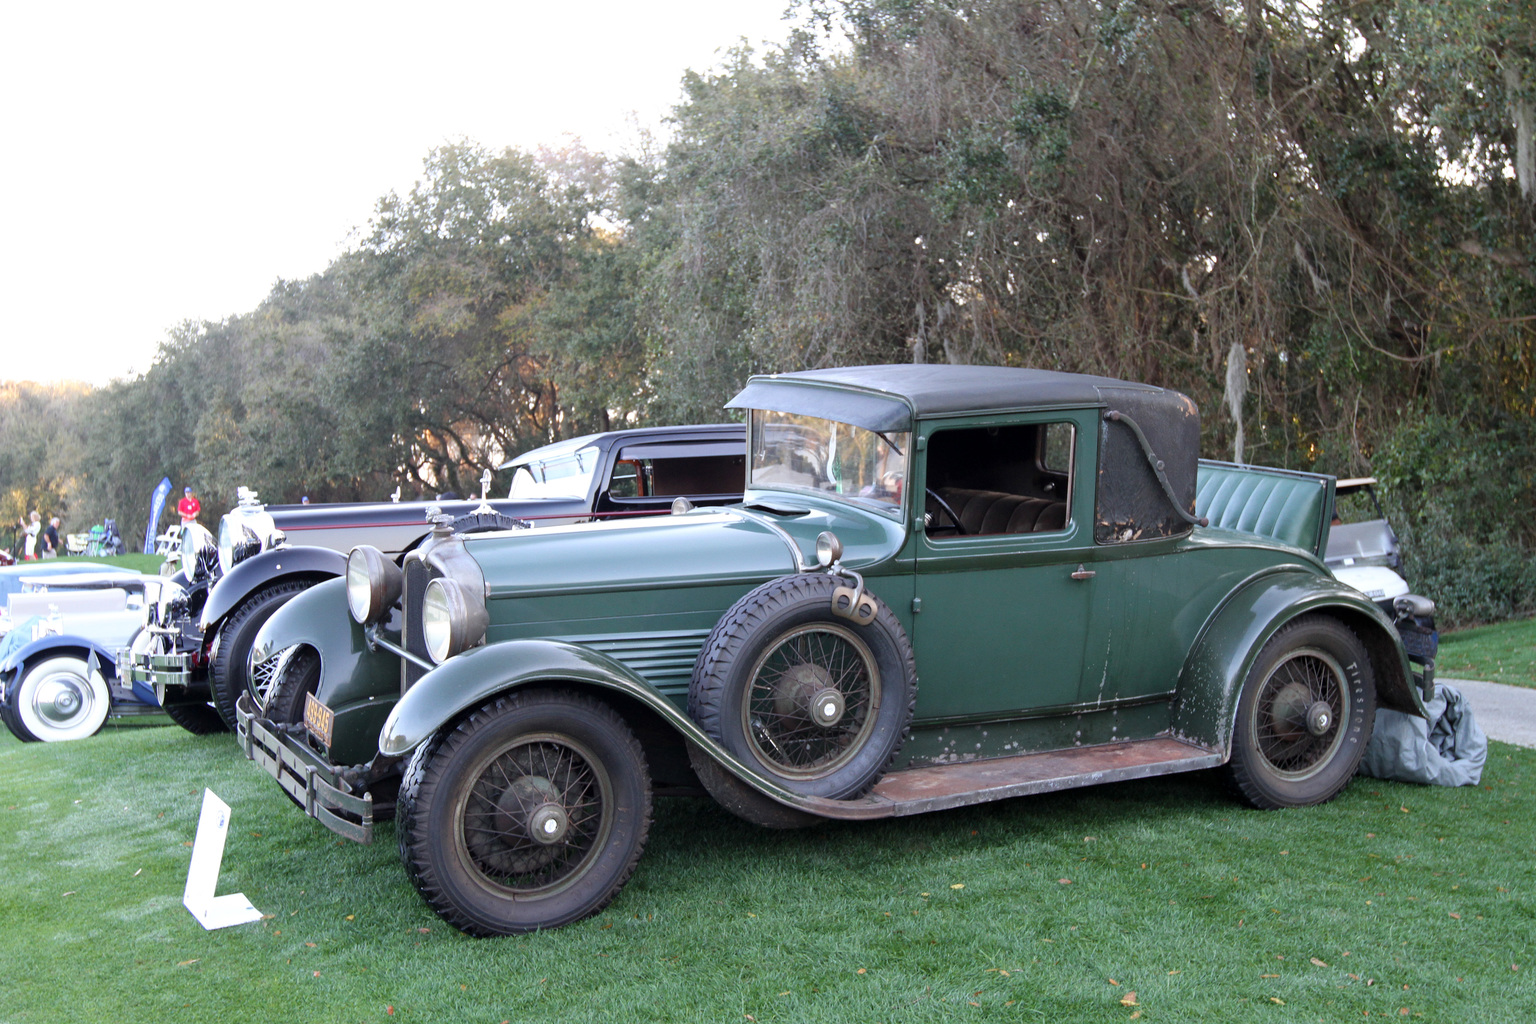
pixel 452 619
pixel 227 533
pixel 243 533
pixel 374 584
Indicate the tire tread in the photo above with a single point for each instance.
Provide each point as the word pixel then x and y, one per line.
pixel 225 694
pixel 421 780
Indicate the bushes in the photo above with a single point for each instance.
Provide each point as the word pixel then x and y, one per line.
pixel 1462 498
pixel 1470 581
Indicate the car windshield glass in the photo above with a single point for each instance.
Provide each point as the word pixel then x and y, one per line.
pixel 563 476
pixel 807 453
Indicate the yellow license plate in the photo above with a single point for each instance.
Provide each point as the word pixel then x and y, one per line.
pixel 318 719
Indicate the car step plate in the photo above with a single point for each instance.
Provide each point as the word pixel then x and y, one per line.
pixel 936 787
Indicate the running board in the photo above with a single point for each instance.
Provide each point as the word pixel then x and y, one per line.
pixel 939 787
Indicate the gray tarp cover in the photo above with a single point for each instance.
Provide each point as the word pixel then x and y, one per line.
pixel 1448 749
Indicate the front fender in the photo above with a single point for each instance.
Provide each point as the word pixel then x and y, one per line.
pixel 1205 705
pixel 475 677
pixel 349 670
pixel 268 567
pixel 84 646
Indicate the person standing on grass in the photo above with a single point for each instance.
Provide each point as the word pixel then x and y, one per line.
pixel 188 506
pixel 32 529
pixel 51 538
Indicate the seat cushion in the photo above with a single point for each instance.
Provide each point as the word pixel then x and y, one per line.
pixel 991 512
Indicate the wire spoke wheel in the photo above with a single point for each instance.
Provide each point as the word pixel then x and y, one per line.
pixel 812 700
pixel 530 813
pixel 534 815
pixel 1299 711
pixel 1304 715
pixel 262 674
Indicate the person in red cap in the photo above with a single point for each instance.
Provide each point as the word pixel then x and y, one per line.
pixel 188 506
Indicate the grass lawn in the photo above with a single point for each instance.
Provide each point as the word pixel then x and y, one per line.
pixel 1501 653
pixel 1160 900
pixel 139 563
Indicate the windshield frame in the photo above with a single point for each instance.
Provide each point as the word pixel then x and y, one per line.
pixel 876 467
pixel 544 487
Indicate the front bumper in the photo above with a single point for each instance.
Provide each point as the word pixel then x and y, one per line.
pixel 314 783
pixel 156 671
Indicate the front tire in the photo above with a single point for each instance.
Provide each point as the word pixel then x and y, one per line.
pixel 296 677
pixel 531 813
pixel 197 719
pixel 229 674
pixel 1304 717
pixel 58 699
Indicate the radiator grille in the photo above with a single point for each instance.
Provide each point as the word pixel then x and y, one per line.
pixel 417 575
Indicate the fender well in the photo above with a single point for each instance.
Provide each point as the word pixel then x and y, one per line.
pixel 269 567
pixel 452 690
pixel 1205 705
pixel 62 644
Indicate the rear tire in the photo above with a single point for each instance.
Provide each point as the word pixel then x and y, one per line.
pixel 1304 717
pixel 197 719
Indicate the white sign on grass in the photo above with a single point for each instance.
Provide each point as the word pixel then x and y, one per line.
pixel 203 876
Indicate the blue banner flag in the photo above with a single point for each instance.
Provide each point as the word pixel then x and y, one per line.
pixel 156 506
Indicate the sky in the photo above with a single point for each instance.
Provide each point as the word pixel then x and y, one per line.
pixel 166 162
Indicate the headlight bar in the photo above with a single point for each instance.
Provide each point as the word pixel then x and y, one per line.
pixel 452 619
pixel 374 584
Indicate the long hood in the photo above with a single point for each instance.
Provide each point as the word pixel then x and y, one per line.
pixel 701 548
pixel 394 528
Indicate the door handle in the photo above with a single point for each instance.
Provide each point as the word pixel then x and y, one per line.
pixel 1084 574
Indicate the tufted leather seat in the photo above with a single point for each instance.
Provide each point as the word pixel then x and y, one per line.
pixel 983 512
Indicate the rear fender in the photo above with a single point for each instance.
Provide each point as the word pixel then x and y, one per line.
pixel 1205 706
pixel 476 677
pixel 266 568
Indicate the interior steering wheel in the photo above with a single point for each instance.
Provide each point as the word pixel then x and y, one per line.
pixel 959 528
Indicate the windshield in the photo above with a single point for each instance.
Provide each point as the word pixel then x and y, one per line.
pixel 561 476
pixel 807 453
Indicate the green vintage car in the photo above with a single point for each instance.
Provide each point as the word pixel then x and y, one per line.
pixel 944 585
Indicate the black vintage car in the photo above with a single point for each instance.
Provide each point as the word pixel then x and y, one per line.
pixel 196 647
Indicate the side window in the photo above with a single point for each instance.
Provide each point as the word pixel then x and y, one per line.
pixel 685 475
pixel 628 480
pixel 999 480
pixel 706 474
pixel 1057 454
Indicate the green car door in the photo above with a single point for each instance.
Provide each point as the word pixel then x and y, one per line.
pixel 1003 550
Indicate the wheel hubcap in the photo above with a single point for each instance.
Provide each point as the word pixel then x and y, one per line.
pixel 61 700
pixel 827 708
pixel 812 701
pixel 548 823
pixel 1298 711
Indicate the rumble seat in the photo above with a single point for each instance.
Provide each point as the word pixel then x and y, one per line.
pixel 983 512
pixel 1286 506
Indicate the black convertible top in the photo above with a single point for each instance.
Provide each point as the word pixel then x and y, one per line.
pixel 887 397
